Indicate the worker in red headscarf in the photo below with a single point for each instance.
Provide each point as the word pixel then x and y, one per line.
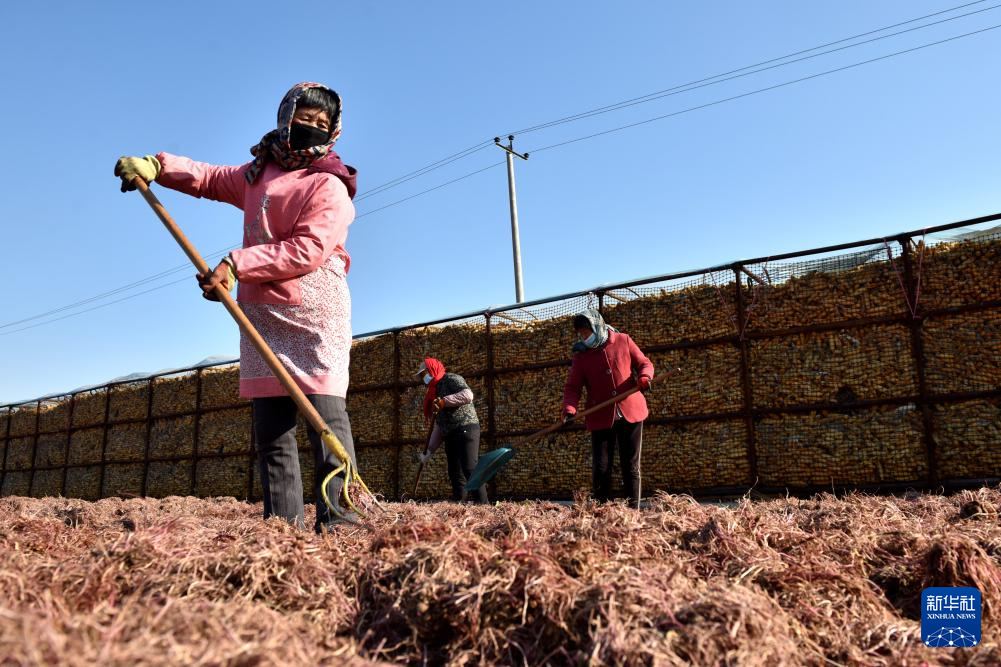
pixel 456 424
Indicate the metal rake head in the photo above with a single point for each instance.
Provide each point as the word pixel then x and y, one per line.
pixel 351 476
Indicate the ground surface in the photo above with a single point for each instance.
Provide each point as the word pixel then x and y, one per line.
pixel 785 582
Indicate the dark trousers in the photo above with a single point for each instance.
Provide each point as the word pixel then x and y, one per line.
pixel 629 437
pixel 462 449
pixel 278 456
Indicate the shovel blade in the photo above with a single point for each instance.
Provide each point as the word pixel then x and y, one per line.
pixel 488 466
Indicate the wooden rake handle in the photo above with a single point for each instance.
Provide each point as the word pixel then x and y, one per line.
pixel 420 468
pixel 594 408
pixel 305 407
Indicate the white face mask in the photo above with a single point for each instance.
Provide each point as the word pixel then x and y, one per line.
pixel 590 340
pixel 427 379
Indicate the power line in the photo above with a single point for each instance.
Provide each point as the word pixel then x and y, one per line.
pixel 662 93
pixel 421 171
pixel 649 97
pixel 730 76
pixel 684 111
pixel 682 88
pixel 766 89
pixel 87 310
pixel 118 290
pixel 174 270
pixel 424 192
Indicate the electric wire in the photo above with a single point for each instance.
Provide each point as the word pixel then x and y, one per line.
pixel 102 305
pixel 656 94
pixel 765 89
pixel 632 102
pixel 424 192
pixel 424 170
pixel 116 290
pixel 681 88
pixel 688 110
pixel 713 80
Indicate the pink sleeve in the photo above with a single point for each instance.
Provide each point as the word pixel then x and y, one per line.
pixel 458 398
pixel 572 389
pixel 322 225
pixel 199 179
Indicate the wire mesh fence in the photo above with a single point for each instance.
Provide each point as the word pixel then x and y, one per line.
pixel 874 364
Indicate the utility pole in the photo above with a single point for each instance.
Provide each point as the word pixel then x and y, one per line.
pixel 509 151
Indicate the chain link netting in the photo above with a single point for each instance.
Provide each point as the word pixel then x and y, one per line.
pixel 877 365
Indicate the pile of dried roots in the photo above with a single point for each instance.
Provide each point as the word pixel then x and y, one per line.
pixel 822 581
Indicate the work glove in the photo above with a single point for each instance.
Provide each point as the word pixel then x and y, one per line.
pixel 146 168
pixel 643 382
pixel 221 275
pixel 567 415
pixel 438 404
pixel 423 458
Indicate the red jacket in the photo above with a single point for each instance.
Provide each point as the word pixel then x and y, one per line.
pixel 607 371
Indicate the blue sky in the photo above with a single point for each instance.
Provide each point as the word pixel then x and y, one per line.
pixel 903 143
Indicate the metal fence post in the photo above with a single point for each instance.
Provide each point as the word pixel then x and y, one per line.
pixel 491 428
pixel 34 448
pixel 104 440
pixel 491 407
pixel 69 439
pixel 914 324
pixel 198 421
pixel 745 378
pixel 397 406
pixel 6 446
pixel 149 428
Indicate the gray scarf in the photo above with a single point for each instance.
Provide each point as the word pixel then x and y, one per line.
pixel 598 326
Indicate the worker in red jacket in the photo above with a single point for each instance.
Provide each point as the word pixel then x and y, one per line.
pixel 608 363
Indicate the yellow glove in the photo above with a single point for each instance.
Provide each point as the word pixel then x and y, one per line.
pixel 146 168
pixel 222 275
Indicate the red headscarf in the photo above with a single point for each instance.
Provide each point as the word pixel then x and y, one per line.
pixel 436 370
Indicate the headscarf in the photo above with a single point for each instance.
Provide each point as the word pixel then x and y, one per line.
pixel 597 323
pixel 436 370
pixel 275 144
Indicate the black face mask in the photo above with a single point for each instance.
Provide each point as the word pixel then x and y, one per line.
pixel 304 136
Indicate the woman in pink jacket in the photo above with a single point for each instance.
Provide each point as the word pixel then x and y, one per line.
pixel 292 271
pixel 608 363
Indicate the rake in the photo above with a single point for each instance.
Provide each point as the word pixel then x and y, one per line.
pixel 420 468
pixel 306 409
pixel 493 462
